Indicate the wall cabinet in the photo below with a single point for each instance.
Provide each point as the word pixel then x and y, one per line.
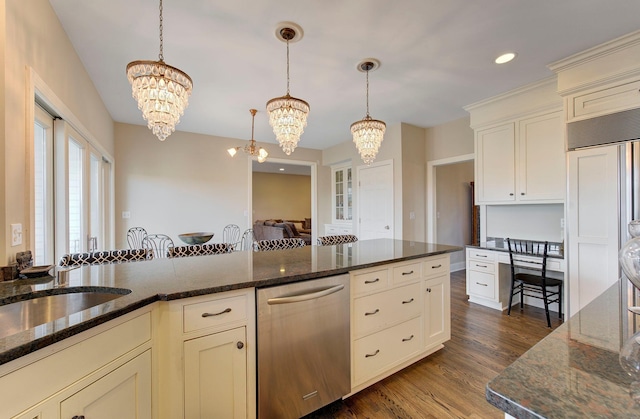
pixel 522 161
pixel 400 313
pixel 113 379
pixel 342 194
pixel 209 348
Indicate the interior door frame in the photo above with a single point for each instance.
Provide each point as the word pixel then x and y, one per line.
pixel 314 191
pixel 432 165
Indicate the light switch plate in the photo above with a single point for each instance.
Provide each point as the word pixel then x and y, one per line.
pixel 16 234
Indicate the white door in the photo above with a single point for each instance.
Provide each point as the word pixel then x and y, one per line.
pixel 495 164
pixel 375 201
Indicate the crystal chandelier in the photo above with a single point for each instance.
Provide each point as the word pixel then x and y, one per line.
pixel 251 148
pixel 287 114
pixel 162 91
pixel 368 133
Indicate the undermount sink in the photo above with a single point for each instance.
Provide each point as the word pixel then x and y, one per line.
pixel 22 315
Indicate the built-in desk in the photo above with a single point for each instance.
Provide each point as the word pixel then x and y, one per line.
pixel 489 274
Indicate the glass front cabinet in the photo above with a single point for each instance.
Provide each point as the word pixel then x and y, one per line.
pixel 342 193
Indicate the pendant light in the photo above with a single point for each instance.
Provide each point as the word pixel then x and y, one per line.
pixel 162 91
pixel 368 133
pixel 287 114
pixel 251 148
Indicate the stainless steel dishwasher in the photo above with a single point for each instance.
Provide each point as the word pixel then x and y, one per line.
pixel 303 346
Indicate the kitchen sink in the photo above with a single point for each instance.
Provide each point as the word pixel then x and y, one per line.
pixel 22 315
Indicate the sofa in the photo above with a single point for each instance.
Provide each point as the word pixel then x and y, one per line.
pixel 282 229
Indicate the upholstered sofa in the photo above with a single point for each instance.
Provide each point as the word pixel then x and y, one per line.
pixel 280 229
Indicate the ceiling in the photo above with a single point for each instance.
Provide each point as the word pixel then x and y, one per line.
pixel 436 56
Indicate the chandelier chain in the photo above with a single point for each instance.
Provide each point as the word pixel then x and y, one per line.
pixel 367 93
pixel 287 67
pixel 161 55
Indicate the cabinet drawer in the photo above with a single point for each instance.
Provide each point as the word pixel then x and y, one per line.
pixel 407 272
pixel 214 313
pixel 377 311
pixel 481 255
pixel 618 98
pixel 481 284
pixel 370 281
pixel 435 266
pixel 375 353
pixel 488 267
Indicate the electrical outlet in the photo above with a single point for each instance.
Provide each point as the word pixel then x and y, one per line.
pixel 126 214
pixel 16 234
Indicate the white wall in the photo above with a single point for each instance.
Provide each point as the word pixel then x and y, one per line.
pixel 37 40
pixel 188 183
pixel 281 196
pixel 531 222
pixel 413 183
pixel 452 139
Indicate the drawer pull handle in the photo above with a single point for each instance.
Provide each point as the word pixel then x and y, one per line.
pixel 436 267
pixel 407 302
pixel 372 281
pixel 480 283
pixel 407 339
pixel 78 417
pixel 481 266
pixel 480 256
pixel 373 354
pixel 407 273
pixel 511 194
pixel 428 289
pixel 227 310
pixel 371 313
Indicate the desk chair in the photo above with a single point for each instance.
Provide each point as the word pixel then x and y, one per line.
pixel 339 239
pixel 529 276
pixel 279 244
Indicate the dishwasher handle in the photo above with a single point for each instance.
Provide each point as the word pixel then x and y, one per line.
pixel 305 297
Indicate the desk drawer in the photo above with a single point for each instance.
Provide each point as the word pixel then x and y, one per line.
pixel 377 311
pixel 407 272
pixel 481 284
pixel 436 266
pixel 478 254
pixel 216 312
pixel 364 283
pixel 488 267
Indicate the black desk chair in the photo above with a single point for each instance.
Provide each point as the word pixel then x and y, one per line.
pixel 530 277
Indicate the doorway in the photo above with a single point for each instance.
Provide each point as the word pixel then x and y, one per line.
pixel 285 189
pixel 375 201
pixel 450 204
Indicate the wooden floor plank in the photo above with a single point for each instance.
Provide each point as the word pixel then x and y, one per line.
pixel 451 382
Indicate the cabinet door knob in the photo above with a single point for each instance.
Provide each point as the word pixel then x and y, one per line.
pixel 386 227
pixel 511 194
pixel 240 345
pixel 521 193
pixel 428 289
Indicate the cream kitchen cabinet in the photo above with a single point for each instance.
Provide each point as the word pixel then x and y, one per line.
pixel 400 313
pixel 212 337
pixel 522 161
pixel 103 372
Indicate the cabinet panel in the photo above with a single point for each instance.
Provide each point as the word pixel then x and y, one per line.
pixel 495 164
pixel 123 393
pixel 541 166
pixel 377 311
pixel 215 375
pixel 374 353
pixel 370 281
pixel 609 100
pixel 482 266
pixel 407 272
pixel 213 313
pixel 437 310
pixel 436 266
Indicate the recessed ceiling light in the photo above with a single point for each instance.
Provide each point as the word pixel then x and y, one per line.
pixel 505 58
pixel 281 169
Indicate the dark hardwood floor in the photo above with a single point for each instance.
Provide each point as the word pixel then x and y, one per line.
pixel 451 382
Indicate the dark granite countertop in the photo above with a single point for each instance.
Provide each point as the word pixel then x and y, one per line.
pixel 574 372
pixel 170 279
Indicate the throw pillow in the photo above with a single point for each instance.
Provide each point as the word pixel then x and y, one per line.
pixel 293 228
pixel 307 223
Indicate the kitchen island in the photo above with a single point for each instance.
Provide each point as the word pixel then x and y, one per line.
pixel 147 332
pixel 573 372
